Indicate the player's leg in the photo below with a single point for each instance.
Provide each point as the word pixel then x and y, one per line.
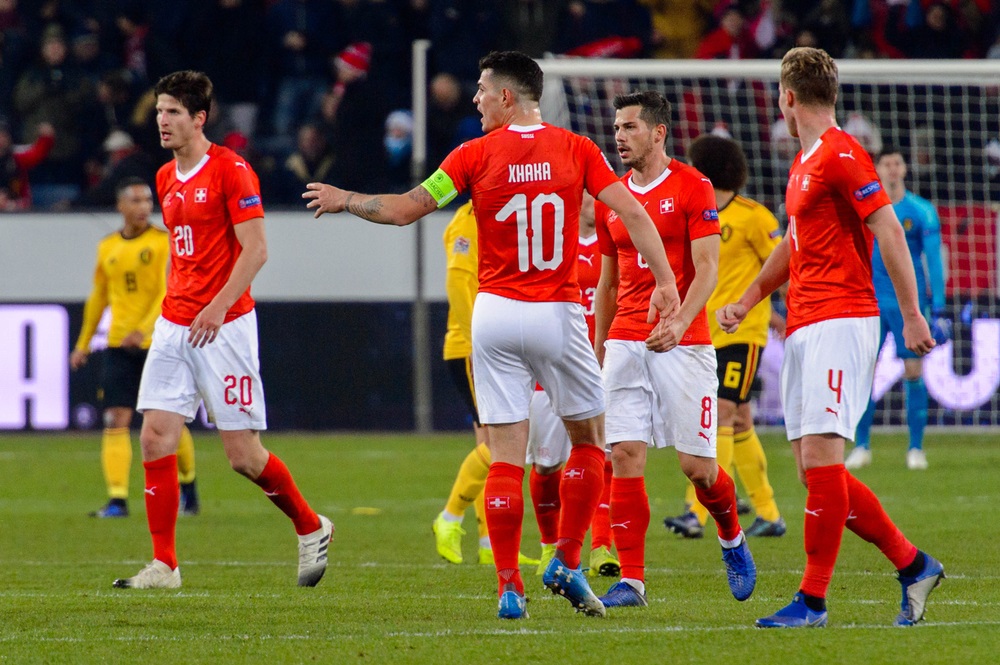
pixel 548 450
pixel 471 478
pixel 890 320
pixel 751 465
pixel 190 505
pixel 916 411
pixel 603 561
pixel 116 460
pixel 504 498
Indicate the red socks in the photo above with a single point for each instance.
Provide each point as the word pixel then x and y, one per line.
pixel 280 488
pixel 579 493
pixel 629 522
pixel 869 520
pixel 720 501
pixel 545 498
pixel 600 526
pixel 504 499
pixel 162 496
pixel 827 505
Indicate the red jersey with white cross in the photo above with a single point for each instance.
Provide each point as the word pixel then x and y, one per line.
pixel 527 188
pixel 831 190
pixel 682 204
pixel 589 272
pixel 200 210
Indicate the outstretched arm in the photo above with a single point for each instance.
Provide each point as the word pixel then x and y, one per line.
pixel 395 209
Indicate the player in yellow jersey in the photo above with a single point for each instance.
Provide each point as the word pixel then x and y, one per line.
pixel 749 233
pixel 131 278
pixel 461 285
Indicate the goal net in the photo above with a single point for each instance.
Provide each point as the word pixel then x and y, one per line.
pixel 943 115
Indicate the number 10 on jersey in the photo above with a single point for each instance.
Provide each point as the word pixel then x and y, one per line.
pixel 531 231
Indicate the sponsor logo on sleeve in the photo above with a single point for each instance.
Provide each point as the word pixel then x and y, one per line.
pixel 249 201
pixel 710 215
pixel 462 245
pixel 866 191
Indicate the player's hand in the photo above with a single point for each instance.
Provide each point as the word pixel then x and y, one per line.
pixel 665 336
pixel 324 198
pixel 133 340
pixel 917 335
pixel 78 359
pixel 664 302
pixel 731 316
pixel 205 327
pixel 941 327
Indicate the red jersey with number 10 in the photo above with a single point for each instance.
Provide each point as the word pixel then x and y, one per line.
pixel 831 190
pixel 527 188
pixel 681 202
pixel 200 210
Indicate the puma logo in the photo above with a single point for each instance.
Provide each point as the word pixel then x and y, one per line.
pixel 623 525
pixel 814 513
pixel 848 155
pixel 705 436
pixel 836 413
pixel 243 164
pixel 151 491
pixel 179 195
pixel 274 493
pixel 589 260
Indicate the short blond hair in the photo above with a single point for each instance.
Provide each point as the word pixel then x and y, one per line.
pixel 811 74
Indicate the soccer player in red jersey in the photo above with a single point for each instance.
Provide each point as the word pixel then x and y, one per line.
pixel 527 179
pixel 836 205
pixel 204 344
pixel 662 393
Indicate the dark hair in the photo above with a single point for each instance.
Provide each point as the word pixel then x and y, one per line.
pixel 655 107
pixel 520 70
pixel 886 151
pixel 129 181
pixel 192 89
pixel 721 160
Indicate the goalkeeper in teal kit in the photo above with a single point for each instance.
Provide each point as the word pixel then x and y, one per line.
pixel 923 236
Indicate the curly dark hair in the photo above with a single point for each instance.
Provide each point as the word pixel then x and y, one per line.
pixel 721 160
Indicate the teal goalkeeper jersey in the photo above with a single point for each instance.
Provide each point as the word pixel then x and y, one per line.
pixel 923 237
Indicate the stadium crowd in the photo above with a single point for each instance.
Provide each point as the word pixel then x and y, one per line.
pixel 306 86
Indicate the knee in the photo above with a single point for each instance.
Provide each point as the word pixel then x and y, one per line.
pixel 543 470
pixel 702 477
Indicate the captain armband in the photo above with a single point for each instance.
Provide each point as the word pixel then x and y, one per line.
pixel 441 187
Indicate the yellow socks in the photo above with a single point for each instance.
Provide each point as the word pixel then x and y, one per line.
pixel 751 465
pixel 470 481
pixel 116 460
pixel 185 457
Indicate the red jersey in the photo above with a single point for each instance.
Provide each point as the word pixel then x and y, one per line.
pixel 589 272
pixel 200 210
pixel 831 190
pixel 682 204
pixel 527 188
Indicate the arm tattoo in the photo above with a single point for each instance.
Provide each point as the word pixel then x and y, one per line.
pixel 369 209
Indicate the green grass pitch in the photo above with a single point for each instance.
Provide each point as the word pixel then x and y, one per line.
pixel 388 598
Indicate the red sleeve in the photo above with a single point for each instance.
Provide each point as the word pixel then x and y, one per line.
pixel 604 242
pixel 457 164
pixel 242 192
pixel 597 173
pixel 703 218
pixel 853 175
pixel 30 157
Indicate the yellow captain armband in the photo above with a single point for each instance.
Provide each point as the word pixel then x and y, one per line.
pixel 440 186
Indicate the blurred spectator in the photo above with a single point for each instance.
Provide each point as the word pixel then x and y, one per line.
pixel 447 105
pixel 124 159
pixel 398 142
pixel 678 26
pixel 867 134
pixel 303 37
pixel 224 28
pixel 88 56
pixel 13 42
pixel 312 162
pixel 54 91
pixel 378 24
pixel 939 36
pixel 731 40
pixel 605 28
pixel 784 146
pixel 830 25
pixel 16 161
pixel 353 112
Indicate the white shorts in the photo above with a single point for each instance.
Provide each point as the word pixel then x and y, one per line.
pixel 516 343
pixel 662 399
pixel 826 376
pixel 548 442
pixel 225 374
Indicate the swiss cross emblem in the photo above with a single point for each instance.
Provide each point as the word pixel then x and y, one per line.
pixel 201 195
pixel 498 502
pixel 573 474
pixel 666 205
pixel 805 183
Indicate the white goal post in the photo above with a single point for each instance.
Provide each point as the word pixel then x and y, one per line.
pixel 943 115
